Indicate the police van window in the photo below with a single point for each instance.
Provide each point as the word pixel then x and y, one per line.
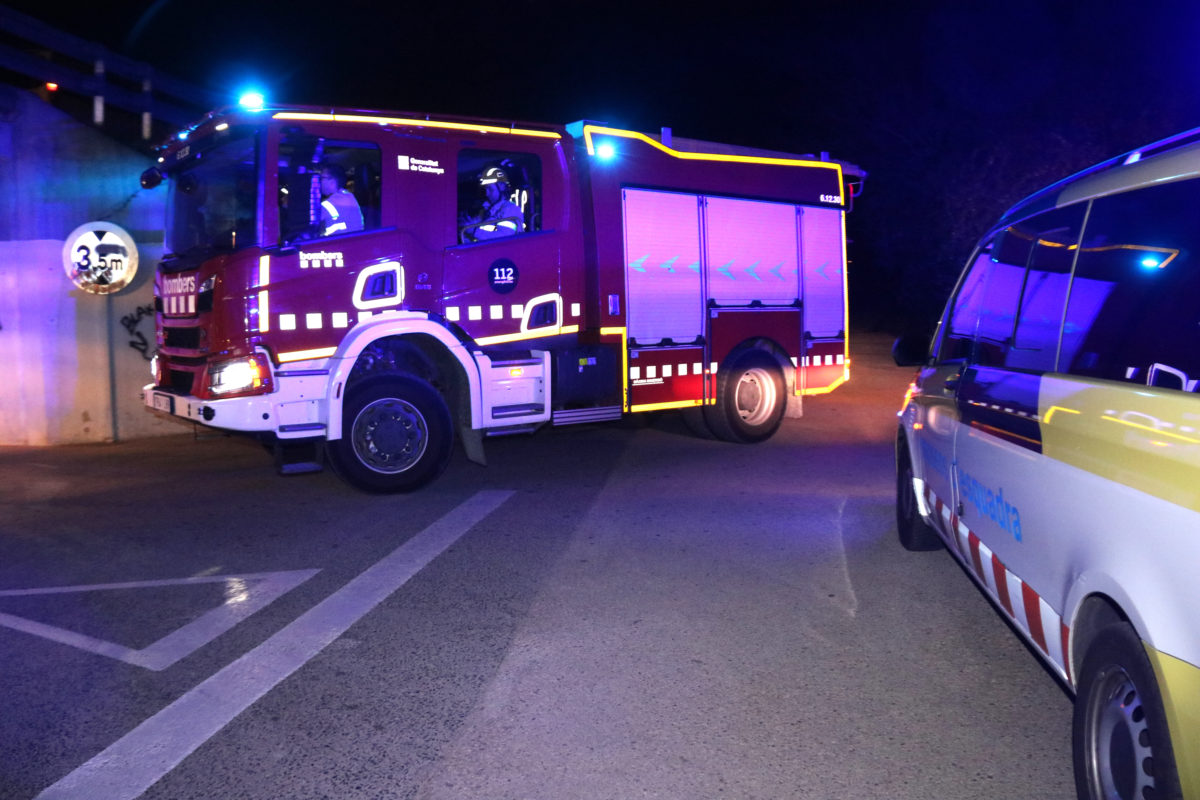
pixel 981 320
pixel 1133 313
pixel 1055 241
pixel 327 187
pixel 1008 310
pixel 499 194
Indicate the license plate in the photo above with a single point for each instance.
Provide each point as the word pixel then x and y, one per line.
pixel 164 402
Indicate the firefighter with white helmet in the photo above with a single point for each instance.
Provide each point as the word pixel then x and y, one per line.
pixel 499 216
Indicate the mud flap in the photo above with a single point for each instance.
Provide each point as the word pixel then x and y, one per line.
pixel 472 442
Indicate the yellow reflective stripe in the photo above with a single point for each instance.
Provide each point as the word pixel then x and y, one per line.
pixel 305 355
pixel 534 334
pixel 827 389
pixel 661 406
pixel 590 130
pixel 419 123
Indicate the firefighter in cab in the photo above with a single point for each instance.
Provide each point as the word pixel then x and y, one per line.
pixel 339 208
pixel 499 215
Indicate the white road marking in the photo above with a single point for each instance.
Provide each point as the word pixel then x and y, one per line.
pixel 133 763
pixel 244 595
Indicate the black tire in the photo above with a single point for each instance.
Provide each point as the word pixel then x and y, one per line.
pixel 693 419
pixel 1121 746
pixel 750 399
pixel 397 435
pixel 915 534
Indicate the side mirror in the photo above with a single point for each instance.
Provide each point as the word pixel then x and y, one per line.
pixel 151 178
pixel 911 350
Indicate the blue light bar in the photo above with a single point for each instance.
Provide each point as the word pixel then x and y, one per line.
pixel 252 100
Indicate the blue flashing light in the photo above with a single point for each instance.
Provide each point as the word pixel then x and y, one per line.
pixel 1151 262
pixel 252 100
pixel 183 134
pixel 605 151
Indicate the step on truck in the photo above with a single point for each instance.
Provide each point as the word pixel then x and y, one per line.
pixel 368 288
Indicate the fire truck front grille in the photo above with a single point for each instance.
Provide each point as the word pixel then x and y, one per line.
pixel 184 338
pixel 179 381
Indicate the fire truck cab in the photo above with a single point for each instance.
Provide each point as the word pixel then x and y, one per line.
pixel 377 285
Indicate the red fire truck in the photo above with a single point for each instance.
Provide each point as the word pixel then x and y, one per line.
pixel 369 287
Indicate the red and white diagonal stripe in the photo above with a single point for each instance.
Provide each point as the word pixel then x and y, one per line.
pixel 1023 605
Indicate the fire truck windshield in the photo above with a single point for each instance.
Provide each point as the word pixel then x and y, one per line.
pixel 213 198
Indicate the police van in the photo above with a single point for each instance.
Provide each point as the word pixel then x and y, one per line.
pixel 1051 441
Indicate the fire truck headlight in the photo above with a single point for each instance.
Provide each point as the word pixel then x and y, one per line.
pixel 249 375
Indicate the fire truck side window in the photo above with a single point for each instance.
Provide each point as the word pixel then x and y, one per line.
pixel 499 194
pixel 327 187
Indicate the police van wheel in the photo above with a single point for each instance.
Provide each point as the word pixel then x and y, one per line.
pixel 396 435
pixel 1121 746
pixel 750 401
pixel 914 532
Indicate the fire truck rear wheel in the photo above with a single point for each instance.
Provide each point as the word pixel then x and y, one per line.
pixel 750 399
pixel 397 435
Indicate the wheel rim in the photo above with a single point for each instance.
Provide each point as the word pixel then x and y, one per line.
pixel 1118 739
pixel 390 435
pixel 756 396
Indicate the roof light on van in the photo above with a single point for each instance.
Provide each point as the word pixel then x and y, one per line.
pixel 605 151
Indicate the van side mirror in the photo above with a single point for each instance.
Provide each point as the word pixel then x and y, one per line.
pixel 911 350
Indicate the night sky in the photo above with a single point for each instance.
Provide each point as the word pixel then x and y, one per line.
pixel 956 108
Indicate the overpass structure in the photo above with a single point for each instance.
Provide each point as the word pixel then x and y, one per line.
pixel 73 362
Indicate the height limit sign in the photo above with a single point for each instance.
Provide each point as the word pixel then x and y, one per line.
pixel 100 257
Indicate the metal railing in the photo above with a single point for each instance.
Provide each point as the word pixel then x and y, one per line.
pixel 50 56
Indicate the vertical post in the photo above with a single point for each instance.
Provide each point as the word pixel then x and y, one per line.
pixel 113 410
pixel 98 100
pixel 146 114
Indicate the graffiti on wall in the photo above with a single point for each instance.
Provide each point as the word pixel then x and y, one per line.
pixel 132 323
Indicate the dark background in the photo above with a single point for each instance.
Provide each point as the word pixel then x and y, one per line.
pixel 956 108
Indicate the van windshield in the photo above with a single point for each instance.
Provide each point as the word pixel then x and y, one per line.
pixel 213 197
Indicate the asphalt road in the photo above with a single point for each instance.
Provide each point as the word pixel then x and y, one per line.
pixel 618 611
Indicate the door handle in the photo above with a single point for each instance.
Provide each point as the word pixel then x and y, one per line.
pixel 951 384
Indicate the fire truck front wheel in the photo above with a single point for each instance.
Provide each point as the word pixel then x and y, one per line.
pixel 750 399
pixel 396 435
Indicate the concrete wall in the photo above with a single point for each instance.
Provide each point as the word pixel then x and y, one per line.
pixel 71 363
